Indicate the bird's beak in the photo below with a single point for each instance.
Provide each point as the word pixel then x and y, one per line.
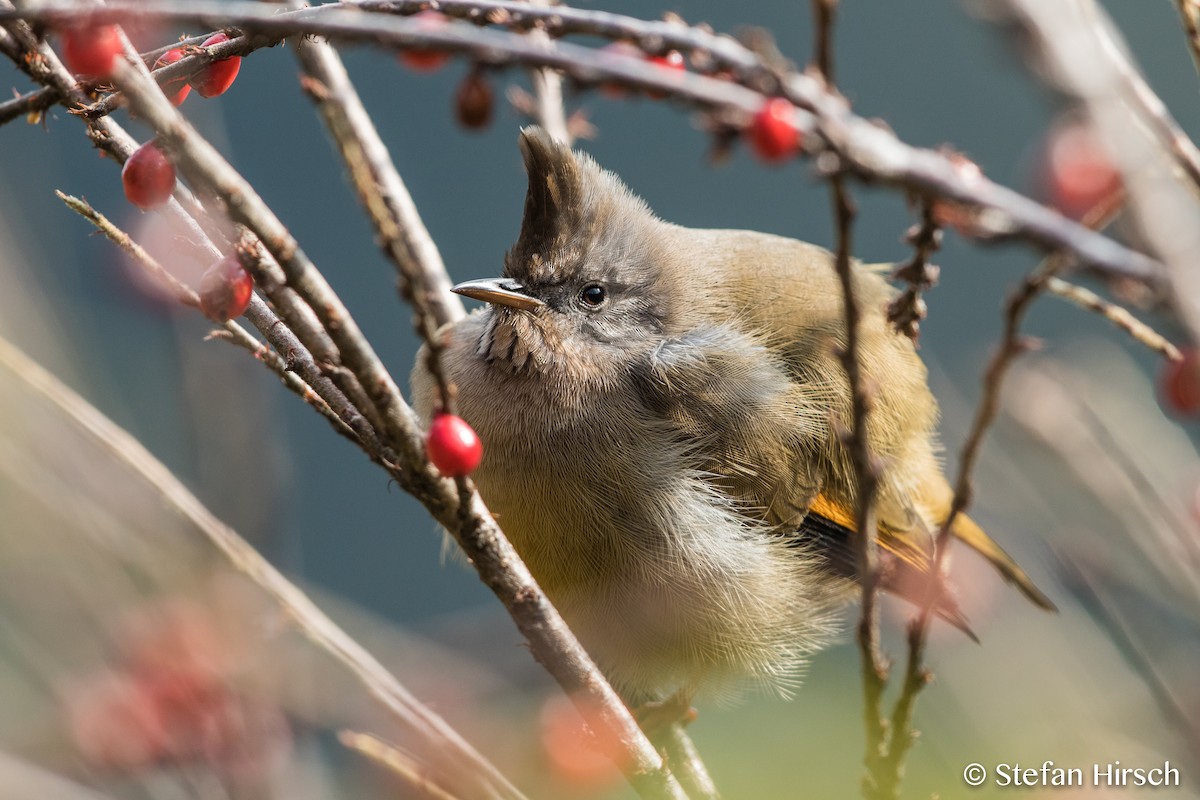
pixel 499 291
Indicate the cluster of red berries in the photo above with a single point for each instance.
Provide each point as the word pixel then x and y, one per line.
pixel 148 176
pixel 93 51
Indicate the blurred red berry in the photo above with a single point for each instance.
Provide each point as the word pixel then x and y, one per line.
pixel 217 77
pixel 422 59
pixel 773 133
pixel 579 754
pixel 1079 174
pixel 671 62
pixel 92 51
pixel 225 290
pixel 177 90
pixel 148 177
pixel 114 724
pixel 453 446
pixel 1179 384
pixel 473 102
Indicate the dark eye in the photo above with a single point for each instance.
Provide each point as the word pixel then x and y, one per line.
pixel 593 295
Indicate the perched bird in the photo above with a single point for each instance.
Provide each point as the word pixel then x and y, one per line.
pixel 660 409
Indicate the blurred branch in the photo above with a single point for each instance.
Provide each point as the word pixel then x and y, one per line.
pixel 1085 59
pixel 865 149
pixel 477 771
pixel 1117 315
pixel 396 760
pixel 547 89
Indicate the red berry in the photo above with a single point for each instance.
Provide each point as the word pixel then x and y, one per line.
pixel 474 101
pixel 453 446
pixel 177 90
pixel 773 134
pixel 148 177
pixel 218 76
pixel 423 59
pixel 1079 173
pixel 672 62
pixel 225 290
pixel 92 51
pixel 1179 384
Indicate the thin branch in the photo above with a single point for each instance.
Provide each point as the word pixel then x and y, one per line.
pixel 232 331
pixel 211 173
pixel 27 105
pixel 824 13
pixel 1082 56
pixel 406 240
pixel 547 90
pixel 865 149
pixel 322 631
pixel 1116 314
pixel 395 760
pixel 907 310
pixel 874 665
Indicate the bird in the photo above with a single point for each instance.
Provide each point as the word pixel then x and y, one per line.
pixel 663 413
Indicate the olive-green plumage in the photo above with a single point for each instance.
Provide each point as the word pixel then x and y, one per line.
pixel 660 407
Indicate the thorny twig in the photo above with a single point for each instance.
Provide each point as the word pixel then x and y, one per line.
pixel 874 666
pixel 907 310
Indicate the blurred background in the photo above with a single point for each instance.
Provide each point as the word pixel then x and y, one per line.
pixel 95 578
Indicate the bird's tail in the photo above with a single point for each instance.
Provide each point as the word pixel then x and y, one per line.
pixel 974 537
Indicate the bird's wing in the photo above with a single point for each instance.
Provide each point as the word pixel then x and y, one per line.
pixel 904 546
pixel 730 401
pixel 829 531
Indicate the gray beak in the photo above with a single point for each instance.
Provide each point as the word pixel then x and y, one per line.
pixel 499 291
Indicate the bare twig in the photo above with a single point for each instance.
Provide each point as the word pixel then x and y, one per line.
pixel 27 105
pixel 824 12
pixel 547 90
pixel 471 768
pixel 865 149
pixel 231 330
pixel 1083 57
pixel 908 309
pixel 1117 315
pixel 396 760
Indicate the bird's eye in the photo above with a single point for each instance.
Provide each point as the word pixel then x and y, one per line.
pixel 593 295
